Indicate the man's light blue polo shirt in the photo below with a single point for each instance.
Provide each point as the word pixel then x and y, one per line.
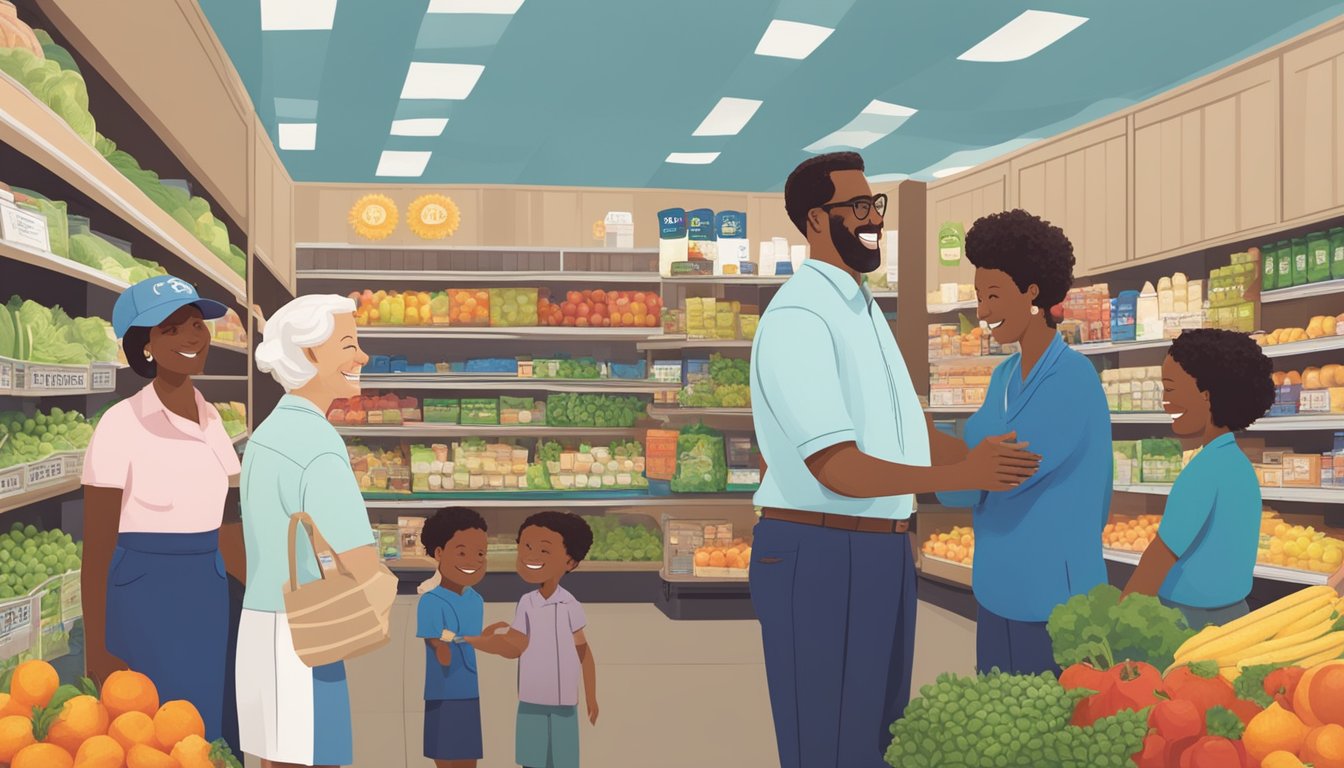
pixel 1212 524
pixel 825 370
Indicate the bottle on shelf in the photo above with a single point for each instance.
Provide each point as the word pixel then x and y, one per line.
pixel 1148 316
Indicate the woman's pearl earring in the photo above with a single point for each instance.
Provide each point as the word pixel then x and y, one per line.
pixel 150 358
pixel 1035 310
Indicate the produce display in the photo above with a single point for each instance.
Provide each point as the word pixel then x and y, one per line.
pixel 1133 390
pixel 701 463
pixel 1154 460
pixel 30 331
pixel 24 56
pixel 234 415
pixel 513 307
pixel 957 545
pixel 965 339
pixel 228 329
pixel 97 253
pixel 579 368
pixel 29 557
pixel 44 724
pixel 584 410
pixel 613 541
pixel 601 309
pixel 1296 546
pixel 1323 377
pixel 374 409
pixel 619 466
pixel 395 308
pixel 469 307
pixel 27 439
pixel 1130 534
pixel 193 213
pixel 720 319
pixel 726 386
pixel 55 213
pixel 380 471
pixel 720 559
pixel 1318 327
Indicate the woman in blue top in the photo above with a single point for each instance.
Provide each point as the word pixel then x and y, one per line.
pixel 1040 543
pixel 1203 559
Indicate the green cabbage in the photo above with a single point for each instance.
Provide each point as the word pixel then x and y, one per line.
pixel 55 52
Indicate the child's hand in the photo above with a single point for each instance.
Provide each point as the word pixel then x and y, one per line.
pixel 592 710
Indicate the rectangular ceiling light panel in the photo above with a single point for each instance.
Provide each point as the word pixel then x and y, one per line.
pixel 419 126
pixel 429 80
pixel 500 7
pixel 875 122
pixel 943 173
pixel 296 15
pixel 1024 36
pixel 728 117
pixel 791 39
pixel 692 158
pixel 395 163
pixel 298 136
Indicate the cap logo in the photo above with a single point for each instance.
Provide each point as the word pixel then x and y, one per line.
pixel 178 286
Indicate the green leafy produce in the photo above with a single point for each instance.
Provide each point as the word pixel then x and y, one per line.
pixel 93 251
pixel 1008 720
pixel 1250 684
pixel 613 541
pixel 701 463
pixel 727 386
pixel 62 90
pixel 222 756
pixel 58 225
pixel 8 335
pixel 512 307
pixel 1221 721
pixel 580 368
pixel 29 557
pixel 44 335
pixel 584 410
pixel 55 52
pixel 25 439
pixel 549 451
pixel 1098 629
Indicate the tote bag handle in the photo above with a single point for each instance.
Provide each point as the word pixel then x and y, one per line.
pixel 319 545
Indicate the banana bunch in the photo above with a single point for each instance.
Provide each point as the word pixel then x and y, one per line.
pixel 1304 628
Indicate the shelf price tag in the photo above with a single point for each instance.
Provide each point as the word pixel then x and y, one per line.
pixel 104 378
pixel 72 464
pixel 6 376
pixel 12 480
pixel 17 627
pixel 41 379
pixel 46 471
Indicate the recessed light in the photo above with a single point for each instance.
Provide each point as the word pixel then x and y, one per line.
pixel 943 173
pixel 1024 36
pixel 692 158
pixel 791 39
pixel 298 136
pixel 419 126
pixel 728 117
pixel 887 109
pixel 395 163
pixel 292 15
pixel 875 122
pixel 502 7
pixel 429 80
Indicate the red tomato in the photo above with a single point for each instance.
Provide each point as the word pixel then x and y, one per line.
pixel 570 309
pixel 1154 754
pixel 569 321
pixel 1188 683
pixel 600 296
pixel 574 297
pixel 587 295
pixel 1282 684
pixel 1214 752
pixel 1086 677
pixel 1177 719
pixel 599 307
pixel 583 310
pixel 1138 683
pixel 606 322
pixel 638 297
pixel 581 322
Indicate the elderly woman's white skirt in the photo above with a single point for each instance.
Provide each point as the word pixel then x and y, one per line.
pixel 289 712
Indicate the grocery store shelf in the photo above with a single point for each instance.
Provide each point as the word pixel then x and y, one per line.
pixel 242 348
pixel 1324 344
pixel 728 280
pixel 540 332
pixel 1262 571
pixel 967 359
pixel 681 342
pixel 501 562
pixel 40 493
pixel 886 294
pixel 470 382
pixel 459 430
pixel 53 263
pixel 1310 290
pixel 515 499
pixel 672 412
pixel 1266 424
pixel 1108 347
pixel 951 409
pixel 29 126
pixel 427 248
pixel 241 438
pixel 220 377
pixel 943 309
pixel 945 570
pixel 1306 495
pixel 688 579
pixel 1140 418
pixel 479 276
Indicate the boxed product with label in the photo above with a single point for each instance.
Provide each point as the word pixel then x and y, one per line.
pixel 1159 460
pixel 701 245
pixel 1125 461
pixel 483 411
pixel 1269 475
pixel 730 229
pixel 620 227
pixel 24 227
pixel 672 239
pixel 1302 470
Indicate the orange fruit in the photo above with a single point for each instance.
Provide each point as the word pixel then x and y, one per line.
pixel 127 691
pixel 100 752
pixel 133 728
pixel 1303 698
pixel 1281 759
pixel 9 706
pixel 1324 747
pixel 193 752
pixel 82 718
pixel 33 684
pixel 1273 730
pixel 1323 694
pixel 15 733
pixel 141 756
pixel 43 756
pixel 176 720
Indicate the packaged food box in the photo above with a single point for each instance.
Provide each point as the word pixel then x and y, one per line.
pixel 1160 460
pixel 469 307
pixel 516 410
pixel 1125 457
pixel 1302 470
pixel 442 411
pixel 513 307
pixel 483 412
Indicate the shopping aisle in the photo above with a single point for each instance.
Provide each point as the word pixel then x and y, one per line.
pixel 673 693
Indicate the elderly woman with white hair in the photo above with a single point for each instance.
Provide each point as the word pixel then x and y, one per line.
pixel 289 713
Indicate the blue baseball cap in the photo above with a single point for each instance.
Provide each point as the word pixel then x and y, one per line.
pixel 150 302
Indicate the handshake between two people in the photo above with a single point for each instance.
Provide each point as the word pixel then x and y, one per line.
pixel 999 463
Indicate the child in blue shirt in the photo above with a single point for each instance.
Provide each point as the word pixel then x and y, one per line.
pixel 446 616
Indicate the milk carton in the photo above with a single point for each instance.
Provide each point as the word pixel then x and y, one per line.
pixel 730 229
pixel 620 229
pixel 700 231
pixel 672 239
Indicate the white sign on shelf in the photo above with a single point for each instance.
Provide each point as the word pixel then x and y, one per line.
pixel 72 464
pixel 12 480
pixel 18 625
pixel 46 471
pixel 43 379
pixel 104 378
pixel 6 376
pixel 24 227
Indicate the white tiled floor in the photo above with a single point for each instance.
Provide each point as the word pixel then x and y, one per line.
pixel 674 694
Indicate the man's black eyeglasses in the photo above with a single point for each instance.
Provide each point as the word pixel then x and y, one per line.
pixel 862 206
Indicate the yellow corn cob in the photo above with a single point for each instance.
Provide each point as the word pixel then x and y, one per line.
pixel 1333 640
pixel 1279 606
pixel 1329 654
pixel 1253 632
pixel 1279 642
pixel 1230 674
pixel 1318 616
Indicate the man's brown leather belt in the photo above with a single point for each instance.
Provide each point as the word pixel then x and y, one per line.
pixel 839 522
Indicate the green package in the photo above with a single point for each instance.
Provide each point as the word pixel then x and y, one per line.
pixel 482 412
pixel 1299 261
pixel 951 243
pixel 702 466
pixel 441 411
pixel 1270 266
pixel 1284 257
pixel 1318 257
pixel 1337 256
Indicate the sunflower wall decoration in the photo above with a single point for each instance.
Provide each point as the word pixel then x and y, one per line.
pixel 433 217
pixel 600 230
pixel 374 217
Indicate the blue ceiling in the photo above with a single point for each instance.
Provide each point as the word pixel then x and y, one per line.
pixel 599 92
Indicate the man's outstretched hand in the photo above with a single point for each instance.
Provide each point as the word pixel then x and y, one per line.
pixel 999 463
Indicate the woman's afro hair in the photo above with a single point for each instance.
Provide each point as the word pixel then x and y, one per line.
pixel 1031 250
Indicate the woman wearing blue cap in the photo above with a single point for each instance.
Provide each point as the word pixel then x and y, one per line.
pixel 155 479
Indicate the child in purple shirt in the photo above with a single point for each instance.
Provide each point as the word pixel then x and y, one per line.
pixel 547 638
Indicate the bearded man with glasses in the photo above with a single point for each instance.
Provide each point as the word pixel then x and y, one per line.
pixel 845 446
